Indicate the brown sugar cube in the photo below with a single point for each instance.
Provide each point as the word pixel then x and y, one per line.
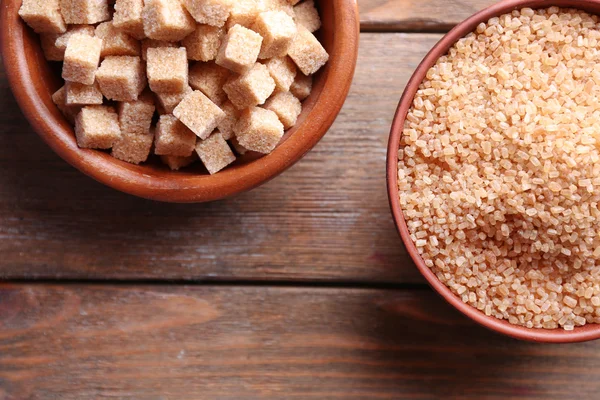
pixel 116 42
pixel 302 86
pixel 128 17
pixel 176 163
pixel 136 116
pixel 55 44
pixel 132 147
pixel 286 106
pixel 48 43
pixel 199 114
pixel 43 16
pixel 204 43
pixel 81 59
pixel 244 12
pixel 239 50
pixel 60 99
pixel 215 153
pixel 250 89
pixel 151 44
pixel 259 130
pixel 209 78
pixel 232 114
pixel 63 39
pixel 168 101
pixel 306 51
pixel 78 94
pixel 210 12
pixel 167 20
pixel 277 30
pixel 279 5
pixel 97 127
pixel 307 15
pixel 167 69
pixel 283 71
pixel 173 138
pixel 241 150
pixel 84 11
pixel 121 78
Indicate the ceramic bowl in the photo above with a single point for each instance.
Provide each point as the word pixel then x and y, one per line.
pixel 588 332
pixel 33 80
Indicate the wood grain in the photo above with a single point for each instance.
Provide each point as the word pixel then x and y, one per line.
pixel 417 16
pixel 146 342
pixel 325 219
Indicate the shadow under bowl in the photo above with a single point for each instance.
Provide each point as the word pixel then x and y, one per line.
pixel 579 334
pixel 33 80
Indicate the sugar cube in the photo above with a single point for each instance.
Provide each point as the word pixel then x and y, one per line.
pixel 204 43
pixel 136 116
pixel 244 12
pixel 239 50
pixel 306 51
pixel 215 153
pixel 63 39
pixel 307 15
pixel 167 69
pixel 283 71
pixel 79 94
pixel 43 16
pixel 128 17
pixel 168 101
pixel 279 5
pixel 151 43
pixel 286 106
pixel 210 12
pixel 121 78
pixel 232 114
pixel 132 147
pixel 250 89
pixel 302 86
pixel 60 99
pixel 97 127
pixel 115 42
pixel 82 56
pixel 259 130
pixel 173 138
pixel 48 43
pixel 209 78
pixel 199 114
pixel 176 163
pixel 167 20
pixel 277 30
pixel 84 11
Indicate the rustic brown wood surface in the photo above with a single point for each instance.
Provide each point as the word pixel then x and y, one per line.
pixel 418 16
pixel 325 219
pixel 171 342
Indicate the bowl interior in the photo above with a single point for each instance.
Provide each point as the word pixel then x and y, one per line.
pixel 34 80
pixel 587 332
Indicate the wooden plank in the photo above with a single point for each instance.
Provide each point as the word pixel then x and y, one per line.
pixel 417 16
pixel 97 342
pixel 325 219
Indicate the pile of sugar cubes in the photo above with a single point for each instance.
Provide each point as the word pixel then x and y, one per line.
pixel 220 74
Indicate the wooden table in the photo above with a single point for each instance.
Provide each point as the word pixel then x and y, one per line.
pixel 300 289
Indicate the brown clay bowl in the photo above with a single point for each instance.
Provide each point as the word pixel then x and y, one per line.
pixel 33 81
pixel 587 332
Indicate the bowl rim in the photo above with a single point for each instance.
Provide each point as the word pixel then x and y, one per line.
pixel 187 188
pixel 579 334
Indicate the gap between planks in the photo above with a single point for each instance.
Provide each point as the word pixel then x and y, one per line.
pixel 351 285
